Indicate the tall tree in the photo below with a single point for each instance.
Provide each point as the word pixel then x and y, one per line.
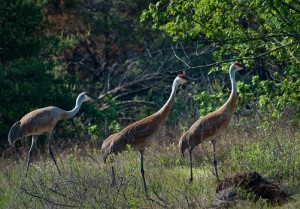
pixel 264 34
pixel 27 80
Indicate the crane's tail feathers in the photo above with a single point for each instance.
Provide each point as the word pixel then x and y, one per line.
pixel 105 145
pixel 106 148
pixel 14 133
pixel 105 155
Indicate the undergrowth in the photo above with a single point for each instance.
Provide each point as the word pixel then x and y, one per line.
pixel 86 181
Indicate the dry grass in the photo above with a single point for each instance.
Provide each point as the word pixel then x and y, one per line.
pixel 86 182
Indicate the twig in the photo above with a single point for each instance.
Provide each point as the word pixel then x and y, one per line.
pixel 292 55
pixel 185 53
pixel 148 77
pixel 45 199
pixel 244 58
pixel 76 130
pixel 179 57
pixel 161 199
pixel 137 102
pixel 161 205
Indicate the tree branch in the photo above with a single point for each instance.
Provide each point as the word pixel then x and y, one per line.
pixel 292 55
pixel 243 58
pixel 147 77
pixel 130 102
pixel 179 57
pixel 289 6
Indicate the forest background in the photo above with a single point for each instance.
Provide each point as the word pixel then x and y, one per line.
pixel 128 53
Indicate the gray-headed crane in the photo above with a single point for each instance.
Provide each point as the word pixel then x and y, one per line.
pixel 212 125
pixel 43 121
pixel 141 133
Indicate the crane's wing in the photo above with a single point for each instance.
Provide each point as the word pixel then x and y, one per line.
pixel 136 134
pixel 208 127
pixel 40 120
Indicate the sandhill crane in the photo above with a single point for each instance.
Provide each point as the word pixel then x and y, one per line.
pixel 140 134
pixel 43 121
pixel 212 125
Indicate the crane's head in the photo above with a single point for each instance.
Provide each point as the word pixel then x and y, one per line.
pixel 84 97
pixel 14 133
pixel 237 66
pixel 181 79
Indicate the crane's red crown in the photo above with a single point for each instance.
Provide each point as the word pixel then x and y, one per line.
pixel 181 76
pixel 238 64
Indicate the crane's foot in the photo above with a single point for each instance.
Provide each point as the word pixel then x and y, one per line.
pixel 113 184
pixel 59 172
pixel 144 181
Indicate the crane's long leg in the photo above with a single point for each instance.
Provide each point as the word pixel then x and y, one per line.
pixel 142 170
pixel 30 153
pixel 51 153
pixel 213 142
pixel 113 183
pixel 191 164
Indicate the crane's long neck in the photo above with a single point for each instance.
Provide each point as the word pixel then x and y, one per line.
pixel 230 104
pixel 233 82
pixel 164 111
pixel 74 111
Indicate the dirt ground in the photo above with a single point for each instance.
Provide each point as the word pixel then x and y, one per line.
pixel 239 187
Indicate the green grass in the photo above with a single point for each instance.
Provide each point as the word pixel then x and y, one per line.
pixel 86 182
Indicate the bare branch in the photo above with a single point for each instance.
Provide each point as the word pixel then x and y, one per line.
pixel 244 58
pixel 185 53
pixel 292 55
pixel 45 199
pixel 76 129
pixel 130 102
pixel 147 77
pixel 179 57
pixel 273 50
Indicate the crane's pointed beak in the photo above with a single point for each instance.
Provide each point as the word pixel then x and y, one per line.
pixel 92 97
pixel 185 80
pixel 241 68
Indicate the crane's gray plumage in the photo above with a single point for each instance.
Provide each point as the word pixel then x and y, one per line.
pixel 43 121
pixel 141 133
pixel 212 125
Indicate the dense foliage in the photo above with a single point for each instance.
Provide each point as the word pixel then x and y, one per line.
pixel 262 34
pixel 65 47
pixel 27 78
